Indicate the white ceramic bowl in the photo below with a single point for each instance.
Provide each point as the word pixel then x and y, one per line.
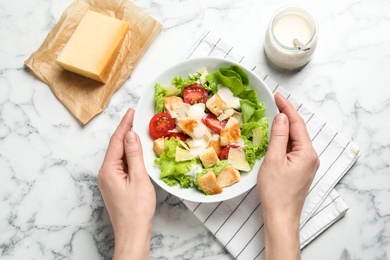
pixel 145 111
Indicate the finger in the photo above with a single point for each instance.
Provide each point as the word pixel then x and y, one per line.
pixel 279 138
pixel 298 131
pixel 115 147
pixel 134 157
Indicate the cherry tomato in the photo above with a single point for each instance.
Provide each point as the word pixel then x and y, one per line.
pixel 160 124
pixel 225 151
pixel 181 136
pixel 194 94
pixel 212 122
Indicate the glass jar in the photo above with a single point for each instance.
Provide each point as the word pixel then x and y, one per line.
pixel 291 37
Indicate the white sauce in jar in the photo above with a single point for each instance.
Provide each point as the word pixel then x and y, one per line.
pixel 292 26
pixel 287 24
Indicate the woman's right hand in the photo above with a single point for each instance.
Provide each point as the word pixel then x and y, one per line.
pixel 284 179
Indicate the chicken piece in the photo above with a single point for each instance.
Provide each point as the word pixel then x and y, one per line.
pixel 175 106
pixel 172 101
pixel 208 183
pixel 193 128
pixel 187 125
pixel 158 146
pixel 231 132
pixel 216 105
pixel 209 158
pixel 228 176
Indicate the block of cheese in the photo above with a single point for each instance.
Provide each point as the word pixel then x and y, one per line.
pixel 93 47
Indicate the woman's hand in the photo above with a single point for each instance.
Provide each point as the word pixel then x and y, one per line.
pixel 284 179
pixel 128 193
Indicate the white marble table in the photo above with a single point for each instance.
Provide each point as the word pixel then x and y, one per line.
pixel 50 206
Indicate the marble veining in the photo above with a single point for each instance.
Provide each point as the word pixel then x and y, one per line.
pixel 50 205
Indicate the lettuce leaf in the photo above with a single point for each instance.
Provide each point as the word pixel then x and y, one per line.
pixel 247 109
pixel 159 95
pixel 250 151
pixel 252 110
pixel 213 81
pixel 184 181
pixel 181 83
pixel 174 173
pixel 235 78
pixel 250 95
pixel 232 77
pixel 247 129
pixel 255 135
pixel 262 140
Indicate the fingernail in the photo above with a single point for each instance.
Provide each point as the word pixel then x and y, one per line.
pixel 130 137
pixel 281 95
pixel 281 119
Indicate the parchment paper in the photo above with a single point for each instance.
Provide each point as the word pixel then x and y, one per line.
pixel 83 97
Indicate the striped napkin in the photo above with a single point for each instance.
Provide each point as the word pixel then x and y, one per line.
pixel 237 223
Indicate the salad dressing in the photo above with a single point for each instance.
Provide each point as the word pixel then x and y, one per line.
pixel 200 130
pixel 196 111
pixel 199 145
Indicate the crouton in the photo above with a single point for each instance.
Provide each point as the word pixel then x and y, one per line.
pixel 231 132
pixel 209 158
pixel 158 146
pixel 215 143
pixel 216 105
pixel 228 176
pixel 208 183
